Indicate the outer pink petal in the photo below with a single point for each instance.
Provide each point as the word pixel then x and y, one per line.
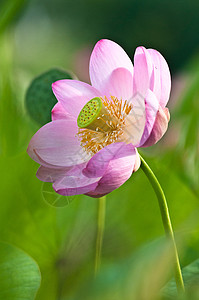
pixel 143 68
pixel 105 58
pixel 73 94
pixel 151 72
pixel 159 128
pixel 59 113
pixel 118 171
pixel 137 162
pixel 151 108
pixel 56 144
pixel 98 164
pixel 161 77
pixel 119 84
pixel 51 174
pixel 48 174
pixel 75 183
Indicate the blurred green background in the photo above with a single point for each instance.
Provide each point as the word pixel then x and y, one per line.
pixel 36 36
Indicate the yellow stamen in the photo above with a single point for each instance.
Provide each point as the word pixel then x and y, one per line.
pixel 108 128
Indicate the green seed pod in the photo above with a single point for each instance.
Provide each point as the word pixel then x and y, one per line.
pixel 95 116
pixel 89 113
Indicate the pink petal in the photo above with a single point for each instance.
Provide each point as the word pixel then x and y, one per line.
pixel 143 68
pixel 98 164
pixel 75 183
pixel 151 72
pixel 117 172
pixel 58 112
pixel 105 58
pixel 159 128
pixel 51 174
pixel 137 162
pixel 135 121
pixel 152 107
pixel 73 95
pixel 119 84
pixel 162 77
pixel 57 144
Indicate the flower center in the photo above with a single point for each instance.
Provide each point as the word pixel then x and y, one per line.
pixel 101 122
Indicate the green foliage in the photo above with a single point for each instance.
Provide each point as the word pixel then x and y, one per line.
pixel 146 270
pixel 9 10
pixel 40 98
pixel 19 274
pixel 187 113
pixel 182 157
pixel 191 279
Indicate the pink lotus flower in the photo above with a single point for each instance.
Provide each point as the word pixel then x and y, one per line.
pixel 90 145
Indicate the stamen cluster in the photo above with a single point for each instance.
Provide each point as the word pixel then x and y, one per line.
pixel 94 140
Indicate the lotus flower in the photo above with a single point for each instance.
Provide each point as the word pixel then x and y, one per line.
pixel 90 147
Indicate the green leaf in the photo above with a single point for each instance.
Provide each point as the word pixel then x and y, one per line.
pixel 40 98
pixel 19 274
pixel 191 280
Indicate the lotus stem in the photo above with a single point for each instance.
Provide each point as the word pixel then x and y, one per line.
pixel 100 232
pixel 166 221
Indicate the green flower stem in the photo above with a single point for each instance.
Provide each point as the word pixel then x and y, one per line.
pixel 100 231
pixel 166 220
